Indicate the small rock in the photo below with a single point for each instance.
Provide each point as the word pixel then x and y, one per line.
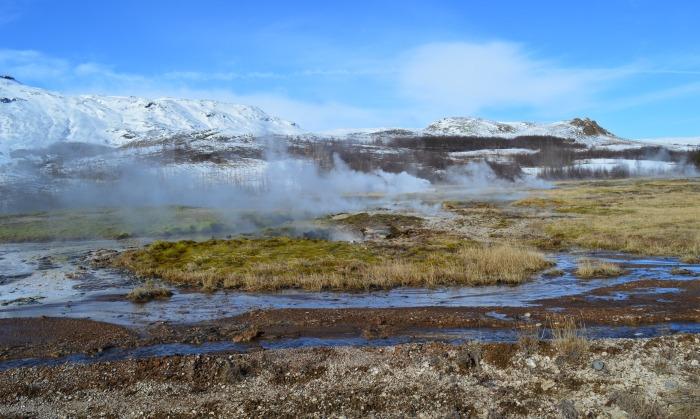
pixel 598 365
pixel 568 410
pixel 617 413
pixel 527 315
pixel 530 363
pixel 694 363
pixel 546 385
pixel 670 385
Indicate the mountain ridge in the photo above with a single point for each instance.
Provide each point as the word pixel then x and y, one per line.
pixel 32 117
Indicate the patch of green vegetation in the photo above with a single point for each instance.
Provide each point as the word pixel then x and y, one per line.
pixel 110 223
pixel 593 208
pixel 502 223
pixel 363 220
pixel 538 202
pixel 462 205
pixel 283 262
pixel 395 225
pixel 654 217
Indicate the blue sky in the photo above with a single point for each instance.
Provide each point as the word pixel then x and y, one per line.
pixel 632 65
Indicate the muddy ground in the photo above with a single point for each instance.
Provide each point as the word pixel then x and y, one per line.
pixel 639 378
pixel 626 304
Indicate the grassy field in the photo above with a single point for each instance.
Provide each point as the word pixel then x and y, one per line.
pixel 108 223
pixel 121 223
pixel 653 217
pixel 265 264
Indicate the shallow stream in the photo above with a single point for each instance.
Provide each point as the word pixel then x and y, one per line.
pixel 36 280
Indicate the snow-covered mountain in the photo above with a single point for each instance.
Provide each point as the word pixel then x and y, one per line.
pixel 33 118
pixel 674 143
pixel 581 130
pixel 584 130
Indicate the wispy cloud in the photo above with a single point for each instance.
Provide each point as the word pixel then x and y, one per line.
pixel 656 96
pixel 32 65
pixel 420 84
pixel 464 77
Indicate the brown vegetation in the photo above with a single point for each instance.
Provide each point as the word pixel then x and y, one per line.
pixel 148 292
pixel 568 338
pixel 278 263
pixel 597 269
pixel 655 217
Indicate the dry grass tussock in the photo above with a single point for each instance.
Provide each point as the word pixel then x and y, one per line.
pixel 597 269
pixel 278 263
pixel 654 217
pixel 148 292
pixel 695 260
pixel 569 338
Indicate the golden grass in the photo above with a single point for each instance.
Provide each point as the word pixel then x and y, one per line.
pixel 654 217
pixel 277 263
pixel 148 293
pixel 568 338
pixel 695 260
pixel 596 269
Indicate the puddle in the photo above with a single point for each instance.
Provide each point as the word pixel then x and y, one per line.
pixel 497 315
pixel 624 295
pixel 451 336
pixel 99 294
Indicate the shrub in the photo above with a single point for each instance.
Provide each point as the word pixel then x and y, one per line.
pixel 148 293
pixel 596 269
pixel 568 338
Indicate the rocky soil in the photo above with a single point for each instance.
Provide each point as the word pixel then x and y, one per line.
pixel 641 378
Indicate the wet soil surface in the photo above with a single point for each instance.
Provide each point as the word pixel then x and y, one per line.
pixel 655 377
pixel 607 311
pixel 55 337
pixel 49 288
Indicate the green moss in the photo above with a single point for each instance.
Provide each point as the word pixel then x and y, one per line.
pixel 238 255
pixel 283 262
pixel 594 208
pixel 462 205
pixel 110 223
pixel 364 220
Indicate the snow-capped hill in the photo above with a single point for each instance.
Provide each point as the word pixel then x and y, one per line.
pixel 584 130
pixel 675 143
pixel 368 134
pixel 33 118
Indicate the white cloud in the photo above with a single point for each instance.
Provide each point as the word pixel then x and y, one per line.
pixel 414 88
pixel 466 78
pixel 31 65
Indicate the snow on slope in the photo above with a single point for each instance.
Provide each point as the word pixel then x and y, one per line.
pixel 34 118
pixel 585 131
pixel 675 143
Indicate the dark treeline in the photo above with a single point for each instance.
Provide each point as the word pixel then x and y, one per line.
pixel 456 144
pixel 577 172
pixel 428 157
pixel 427 164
